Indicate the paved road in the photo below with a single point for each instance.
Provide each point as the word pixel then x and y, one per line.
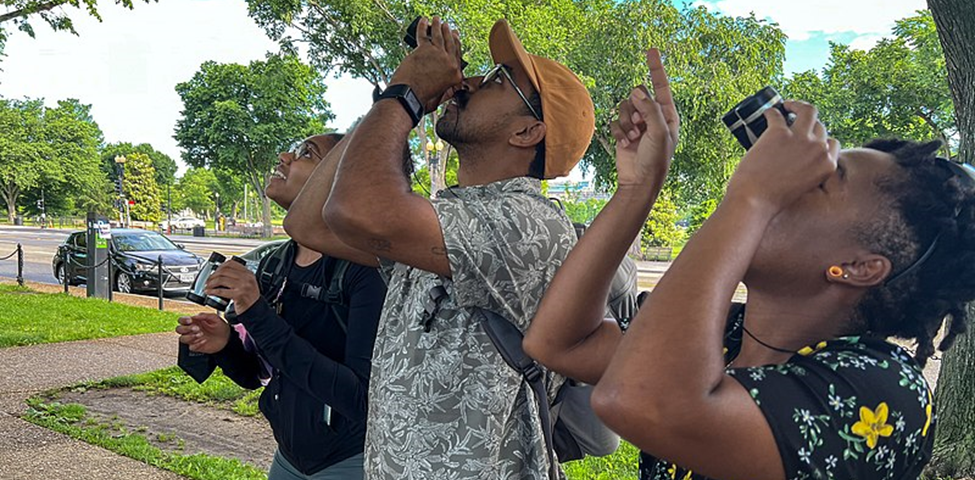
pixel 40 245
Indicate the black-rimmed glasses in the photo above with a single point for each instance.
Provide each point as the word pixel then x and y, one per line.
pixel 966 173
pixel 494 75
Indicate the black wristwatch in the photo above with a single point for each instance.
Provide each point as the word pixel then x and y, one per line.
pixel 407 98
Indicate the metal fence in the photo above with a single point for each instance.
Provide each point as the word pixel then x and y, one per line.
pixel 67 260
pixel 19 252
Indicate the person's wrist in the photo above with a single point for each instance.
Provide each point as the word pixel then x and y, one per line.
pixel 407 99
pixel 752 198
pixel 244 303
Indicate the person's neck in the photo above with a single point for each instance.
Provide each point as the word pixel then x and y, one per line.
pixel 306 256
pixel 787 324
pixel 484 164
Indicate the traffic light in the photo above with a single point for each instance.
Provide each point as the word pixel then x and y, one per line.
pixel 118 185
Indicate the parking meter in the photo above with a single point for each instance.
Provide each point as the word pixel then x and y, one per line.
pixel 99 234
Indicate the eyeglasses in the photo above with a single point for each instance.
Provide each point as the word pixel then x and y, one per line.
pixel 495 74
pixel 966 174
pixel 301 150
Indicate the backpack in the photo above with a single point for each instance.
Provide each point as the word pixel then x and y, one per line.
pixel 571 428
pixel 273 271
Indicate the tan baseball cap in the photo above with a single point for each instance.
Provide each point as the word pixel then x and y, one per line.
pixel 569 116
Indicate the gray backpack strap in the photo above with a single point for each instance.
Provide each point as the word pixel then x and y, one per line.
pixel 507 340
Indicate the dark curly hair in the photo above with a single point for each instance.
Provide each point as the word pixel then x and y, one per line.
pixel 933 215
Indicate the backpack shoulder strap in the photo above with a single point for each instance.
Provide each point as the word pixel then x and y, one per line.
pixel 507 340
pixel 334 295
pixel 274 268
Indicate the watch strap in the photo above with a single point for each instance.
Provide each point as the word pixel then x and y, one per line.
pixel 404 94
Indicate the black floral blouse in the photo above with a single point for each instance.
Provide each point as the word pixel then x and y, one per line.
pixel 847 408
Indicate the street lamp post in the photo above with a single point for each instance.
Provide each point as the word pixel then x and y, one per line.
pixel 216 214
pixel 169 208
pixel 123 204
pixel 435 165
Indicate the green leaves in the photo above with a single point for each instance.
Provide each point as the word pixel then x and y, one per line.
pixel 140 186
pixel 238 118
pixel 897 88
pixel 51 148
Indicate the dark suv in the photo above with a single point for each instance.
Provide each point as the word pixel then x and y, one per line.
pixel 134 253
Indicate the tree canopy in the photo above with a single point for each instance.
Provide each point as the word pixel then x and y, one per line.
pixel 897 88
pixel 141 188
pixel 239 117
pixel 714 61
pixel 51 148
pixel 164 166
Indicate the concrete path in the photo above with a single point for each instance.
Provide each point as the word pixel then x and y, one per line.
pixel 29 452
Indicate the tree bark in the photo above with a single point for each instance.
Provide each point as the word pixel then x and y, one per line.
pixel 954 449
pixel 10 194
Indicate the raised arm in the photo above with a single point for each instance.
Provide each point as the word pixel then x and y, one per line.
pixel 371 206
pixel 304 221
pixel 568 333
pixel 666 389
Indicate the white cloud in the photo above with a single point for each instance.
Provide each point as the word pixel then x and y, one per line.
pixel 127 66
pixel 865 42
pixel 803 19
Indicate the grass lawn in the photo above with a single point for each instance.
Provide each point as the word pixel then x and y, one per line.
pixel 28 317
pixel 217 390
pixel 221 392
pixel 72 420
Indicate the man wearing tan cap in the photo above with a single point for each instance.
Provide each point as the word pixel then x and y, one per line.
pixel 442 401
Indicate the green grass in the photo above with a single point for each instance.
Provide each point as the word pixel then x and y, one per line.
pixel 28 317
pixel 621 465
pixel 71 419
pixel 218 390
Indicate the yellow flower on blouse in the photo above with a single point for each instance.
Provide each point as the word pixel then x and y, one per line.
pixel 806 351
pixel 873 424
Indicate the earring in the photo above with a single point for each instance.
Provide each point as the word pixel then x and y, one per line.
pixel 837 272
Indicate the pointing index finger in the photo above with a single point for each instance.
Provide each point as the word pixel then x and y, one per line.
pixel 661 88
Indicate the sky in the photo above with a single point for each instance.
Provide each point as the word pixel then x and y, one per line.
pixel 127 66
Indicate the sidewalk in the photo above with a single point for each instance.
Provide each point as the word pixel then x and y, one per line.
pixel 30 452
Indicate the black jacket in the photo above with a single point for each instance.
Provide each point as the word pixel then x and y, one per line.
pixel 315 364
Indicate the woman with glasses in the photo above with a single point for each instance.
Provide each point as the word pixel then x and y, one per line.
pixel 840 250
pixel 310 324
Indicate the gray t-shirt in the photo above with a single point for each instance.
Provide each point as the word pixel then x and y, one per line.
pixel 443 404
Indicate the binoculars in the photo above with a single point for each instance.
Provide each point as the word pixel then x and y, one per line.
pixel 196 294
pixel 747 120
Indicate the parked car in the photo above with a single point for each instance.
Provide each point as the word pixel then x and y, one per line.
pixel 182 223
pixel 254 257
pixel 134 253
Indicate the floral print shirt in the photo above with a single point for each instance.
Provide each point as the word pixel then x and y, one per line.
pixel 847 408
pixel 443 404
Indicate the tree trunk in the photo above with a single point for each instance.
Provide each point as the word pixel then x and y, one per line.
pixel 954 448
pixel 267 229
pixel 10 193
